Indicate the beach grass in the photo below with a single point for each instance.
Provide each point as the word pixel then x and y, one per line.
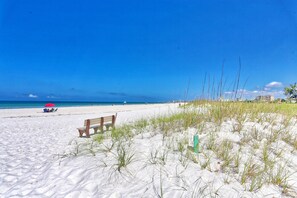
pixel 239 140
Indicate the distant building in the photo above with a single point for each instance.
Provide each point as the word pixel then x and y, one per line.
pixel 268 98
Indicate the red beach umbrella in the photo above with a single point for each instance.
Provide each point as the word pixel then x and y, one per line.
pixel 49 105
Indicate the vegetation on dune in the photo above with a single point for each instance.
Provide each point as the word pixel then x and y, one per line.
pixel 253 160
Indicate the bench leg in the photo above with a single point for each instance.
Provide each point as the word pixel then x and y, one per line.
pixel 81 132
pixel 95 130
pixel 87 133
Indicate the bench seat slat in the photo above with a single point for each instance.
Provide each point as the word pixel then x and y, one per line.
pixel 107 119
pixel 98 120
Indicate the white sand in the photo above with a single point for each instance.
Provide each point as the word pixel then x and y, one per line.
pixel 38 158
pixel 31 144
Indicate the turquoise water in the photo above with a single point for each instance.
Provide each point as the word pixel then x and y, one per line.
pixel 40 104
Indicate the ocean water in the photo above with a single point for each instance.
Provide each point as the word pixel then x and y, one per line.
pixel 40 104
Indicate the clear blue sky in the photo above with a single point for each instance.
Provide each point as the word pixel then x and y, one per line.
pixel 143 50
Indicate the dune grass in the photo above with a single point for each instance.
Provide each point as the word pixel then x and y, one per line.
pixel 247 153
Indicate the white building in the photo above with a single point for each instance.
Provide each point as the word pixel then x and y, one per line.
pixel 268 98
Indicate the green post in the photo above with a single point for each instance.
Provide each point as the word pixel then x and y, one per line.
pixel 196 143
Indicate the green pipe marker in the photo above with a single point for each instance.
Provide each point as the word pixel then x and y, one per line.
pixel 196 143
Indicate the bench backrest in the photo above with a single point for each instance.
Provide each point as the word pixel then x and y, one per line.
pixel 101 120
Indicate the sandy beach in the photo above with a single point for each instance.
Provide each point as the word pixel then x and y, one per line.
pixel 41 155
pixel 32 144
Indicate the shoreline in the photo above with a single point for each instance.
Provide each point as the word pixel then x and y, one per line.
pixel 77 110
pixel 40 104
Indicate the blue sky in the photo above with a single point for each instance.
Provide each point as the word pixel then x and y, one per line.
pixel 144 50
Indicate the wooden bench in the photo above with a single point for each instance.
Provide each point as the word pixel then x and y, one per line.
pixel 97 123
